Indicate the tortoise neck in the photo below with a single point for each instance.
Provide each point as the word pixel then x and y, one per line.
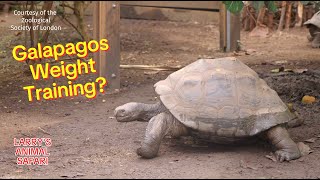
pixel 150 110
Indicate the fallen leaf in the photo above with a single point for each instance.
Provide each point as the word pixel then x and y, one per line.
pixel 299 71
pixel 259 31
pixel 245 165
pixel 277 70
pixel 281 62
pixel 288 70
pixel 308 99
pixel 18 33
pixel 290 106
pixel 251 51
pixel 272 157
pixel 304 149
pixel 311 140
pixel 150 72
pixel 80 174
pixel 237 54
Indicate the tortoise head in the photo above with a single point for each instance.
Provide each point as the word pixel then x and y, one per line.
pixel 128 112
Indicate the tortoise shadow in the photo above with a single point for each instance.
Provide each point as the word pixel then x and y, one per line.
pixel 204 147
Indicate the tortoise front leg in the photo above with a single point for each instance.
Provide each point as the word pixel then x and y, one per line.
pixel 159 126
pixel 287 149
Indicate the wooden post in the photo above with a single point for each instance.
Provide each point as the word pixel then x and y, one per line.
pixel 229 30
pixel 299 14
pixel 288 16
pixel 106 17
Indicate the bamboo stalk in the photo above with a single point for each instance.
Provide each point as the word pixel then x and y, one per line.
pixel 283 11
pixel 270 20
pixel 299 14
pixel 261 15
pixel 288 16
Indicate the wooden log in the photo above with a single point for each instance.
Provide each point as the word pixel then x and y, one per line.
pixel 106 25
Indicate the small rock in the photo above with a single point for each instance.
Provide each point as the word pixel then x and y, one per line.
pixel 308 99
pixel 104 101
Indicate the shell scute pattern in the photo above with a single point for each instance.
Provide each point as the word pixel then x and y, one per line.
pixel 223 97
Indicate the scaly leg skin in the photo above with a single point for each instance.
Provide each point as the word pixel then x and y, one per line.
pixel 316 41
pixel 295 122
pixel 134 111
pixel 287 149
pixel 310 38
pixel 159 126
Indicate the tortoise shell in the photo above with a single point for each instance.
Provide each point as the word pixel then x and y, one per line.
pixel 222 97
pixel 315 20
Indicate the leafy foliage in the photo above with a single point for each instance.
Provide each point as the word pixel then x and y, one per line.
pixel 271 5
pixel 234 6
pixel 257 4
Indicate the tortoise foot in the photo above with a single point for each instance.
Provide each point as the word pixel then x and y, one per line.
pixel 316 41
pixel 283 155
pixel 147 152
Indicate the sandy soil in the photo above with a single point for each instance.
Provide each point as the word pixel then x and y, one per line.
pixel 89 143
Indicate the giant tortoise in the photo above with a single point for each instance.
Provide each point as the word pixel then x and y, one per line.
pixel 219 100
pixel 313 25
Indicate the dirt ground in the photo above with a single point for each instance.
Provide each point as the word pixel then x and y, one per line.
pixel 89 143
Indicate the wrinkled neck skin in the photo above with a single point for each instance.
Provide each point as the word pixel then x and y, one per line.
pixel 150 110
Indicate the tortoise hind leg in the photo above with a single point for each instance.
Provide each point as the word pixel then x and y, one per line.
pixel 287 149
pixel 316 41
pixel 159 126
